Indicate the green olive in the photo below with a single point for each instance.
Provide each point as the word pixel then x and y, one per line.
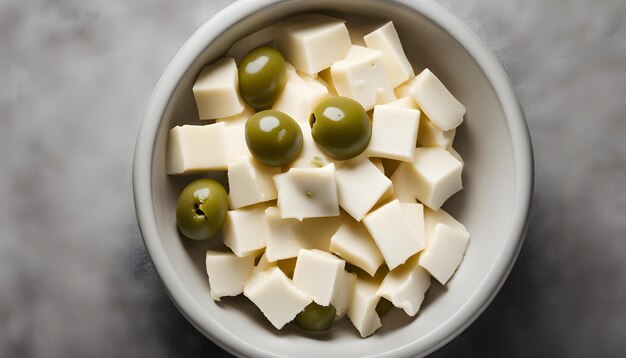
pixel 273 138
pixel 383 306
pixel 262 76
pixel 201 209
pixel 316 318
pixel 341 127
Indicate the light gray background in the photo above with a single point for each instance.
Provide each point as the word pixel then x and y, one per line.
pixel 75 77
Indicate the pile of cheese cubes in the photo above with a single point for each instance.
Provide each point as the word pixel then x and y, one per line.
pixel 292 230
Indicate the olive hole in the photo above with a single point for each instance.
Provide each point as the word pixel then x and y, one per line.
pixel 199 212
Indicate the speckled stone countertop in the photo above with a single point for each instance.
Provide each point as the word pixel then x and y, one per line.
pixel 75 279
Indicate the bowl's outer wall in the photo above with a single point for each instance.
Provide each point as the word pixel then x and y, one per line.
pixel 493 141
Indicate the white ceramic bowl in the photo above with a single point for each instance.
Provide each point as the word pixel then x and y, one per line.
pixel 494 205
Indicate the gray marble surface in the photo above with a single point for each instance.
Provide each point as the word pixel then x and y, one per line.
pixel 75 76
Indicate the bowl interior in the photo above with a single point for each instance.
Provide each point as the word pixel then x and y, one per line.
pixel 485 205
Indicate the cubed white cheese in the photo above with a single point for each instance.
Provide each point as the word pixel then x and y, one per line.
pixel 405 286
pixel 217 90
pixel 250 183
pixel 286 237
pixel 311 155
pixel 444 252
pixel 393 233
pixel 227 273
pixel 394 132
pixel 245 230
pixel 362 309
pixel 313 42
pixel 404 183
pixel 359 186
pixel 195 149
pixel 353 243
pixel 300 96
pixel 437 175
pixel 238 119
pixel 318 274
pixel 456 154
pixel 307 192
pixel 362 76
pixel 404 102
pixel 235 141
pixel 432 218
pixel 276 296
pixel 386 40
pixel 436 101
pixel 341 302
pixel 431 136
pixel 415 214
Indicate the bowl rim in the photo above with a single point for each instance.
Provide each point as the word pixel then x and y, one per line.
pixel 520 142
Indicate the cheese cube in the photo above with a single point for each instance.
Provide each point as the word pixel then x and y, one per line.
pixel 431 136
pixel 313 42
pixel 235 142
pixel 359 186
pixel 286 237
pixel 227 273
pixel 276 296
pixel 393 233
pixel 394 132
pixel 354 244
pixel 307 192
pixel 404 102
pixel 311 155
pixel 341 302
pixel 362 309
pixel 405 286
pixel 300 96
pixel 434 99
pixel 415 214
pixel 362 76
pixel 456 154
pixel 250 183
pixel 432 218
pixel 244 230
pixel 437 176
pixel 386 40
pixel 217 90
pixel 195 149
pixel 404 183
pixel 444 252
pixel 318 274
pixel 237 119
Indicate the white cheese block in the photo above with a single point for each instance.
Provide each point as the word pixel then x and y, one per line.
pixel 404 183
pixel 456 154
pixel 362 309
pixel 404 90
pixel 276 296
pixel 307 192
pixel 235 141
pixel 405 286
pixel 250 183
pixel 394 132
pixel 286 237
pixel 404 102
pixel 362 76
pixel 432 218
pixel 386 40
pixel 359 186
pixel 318 274
pixel 227 273
pixel 431 136
pixel 353 243
pixel 311 155
pixel 300 96
pixel 436 101
pixel 237 119
pixel 437 176
pixel 341 302
pixel 393 233
pixel 444 252
pixel 313 42
pixel 415 214
pixel 245 230
pixel 195 149
pixel 217 90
